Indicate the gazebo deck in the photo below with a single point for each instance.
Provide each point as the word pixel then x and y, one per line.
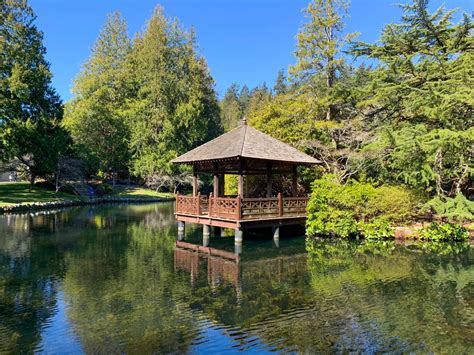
pixel 240 213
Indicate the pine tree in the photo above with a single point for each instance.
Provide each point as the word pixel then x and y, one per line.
pixel 95 116
pixel 319 48
pixel 231 108
pixel 280 83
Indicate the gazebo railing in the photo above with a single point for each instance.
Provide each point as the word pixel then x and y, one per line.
pixel 237 208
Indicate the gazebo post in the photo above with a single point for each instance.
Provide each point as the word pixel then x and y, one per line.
pixel 294 182
pixel 195 182
pixel 215 182
pixel 240 181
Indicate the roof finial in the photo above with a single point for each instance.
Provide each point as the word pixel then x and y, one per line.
pixel 244 121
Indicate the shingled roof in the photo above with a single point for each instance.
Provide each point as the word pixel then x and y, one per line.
pixel 246 142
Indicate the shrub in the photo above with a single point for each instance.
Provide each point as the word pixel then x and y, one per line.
pixel 444 232
pixel 458 208
pixel 357 208
pixel 376 229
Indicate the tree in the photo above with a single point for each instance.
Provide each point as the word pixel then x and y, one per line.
pixel 36 144
pixel 25 78
pixel 30 110
pixel 175 108
pixel 231 108
pixel 95 116
pixel 319 48
pixel 280 83
pixel 421 97
pixel 426 71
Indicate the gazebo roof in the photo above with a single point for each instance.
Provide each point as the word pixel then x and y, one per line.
pixel 245 142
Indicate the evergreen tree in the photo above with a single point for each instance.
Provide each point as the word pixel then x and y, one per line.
pixel 176 107
pixel 427 68
pixel 30 109
pixel 25 80
pixel 95 116
pixel 280 83
pixel 231 108
pixel 319 49
pixel 422 99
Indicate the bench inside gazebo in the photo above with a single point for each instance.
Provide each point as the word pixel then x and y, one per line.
pixel 243 151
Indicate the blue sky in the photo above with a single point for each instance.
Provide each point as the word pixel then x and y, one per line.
pixel 243 41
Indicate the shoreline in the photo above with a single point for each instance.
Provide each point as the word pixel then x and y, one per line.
pixel 38 206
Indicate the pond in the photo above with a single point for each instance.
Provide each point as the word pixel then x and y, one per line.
pixel 110 279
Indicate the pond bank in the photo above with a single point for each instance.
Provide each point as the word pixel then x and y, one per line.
pixel 23 207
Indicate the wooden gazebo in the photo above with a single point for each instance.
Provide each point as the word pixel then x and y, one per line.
pixel 242 151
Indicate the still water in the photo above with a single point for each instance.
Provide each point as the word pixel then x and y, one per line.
pixel 110 279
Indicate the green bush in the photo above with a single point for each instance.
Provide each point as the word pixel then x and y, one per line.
pixel 357 208
pixel 444 232
pixel 458 208
pixel 376 229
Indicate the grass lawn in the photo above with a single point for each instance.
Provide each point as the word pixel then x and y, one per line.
pixel 139 192
pixel 12 193
pixel 19 192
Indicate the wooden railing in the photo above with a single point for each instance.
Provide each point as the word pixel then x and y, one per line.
pixel 237 208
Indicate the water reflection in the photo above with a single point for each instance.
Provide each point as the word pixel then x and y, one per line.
pixel 115 279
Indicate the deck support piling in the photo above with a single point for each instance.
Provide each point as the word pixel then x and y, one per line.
pixel 239 234
pixel 276 236
pixel 180 230
pixel 206 232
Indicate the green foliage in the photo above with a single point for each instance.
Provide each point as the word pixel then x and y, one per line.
pixel 230 185
pixel 356 208
pixel 30 110
pixel 175 106
pixel 25 78
pixel 458 208
pixel 377 229
pixel 439 232
pixel 319 49
pixel 95 116
pixel 426 71
pixel 37 144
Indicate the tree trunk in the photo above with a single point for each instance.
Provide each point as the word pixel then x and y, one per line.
pixel 32 180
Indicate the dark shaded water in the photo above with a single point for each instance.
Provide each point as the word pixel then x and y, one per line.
pixel 109 279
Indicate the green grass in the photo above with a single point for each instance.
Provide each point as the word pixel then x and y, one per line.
pixel 139 192
pixel 12 193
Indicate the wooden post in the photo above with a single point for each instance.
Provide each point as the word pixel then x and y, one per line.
pixel 198 204
pixel 195 184
pixel 215 185
pixel 210 205
pixel 280 205
pixel 239 207
pixel 294 182
pixel 240 185
pixel 240 182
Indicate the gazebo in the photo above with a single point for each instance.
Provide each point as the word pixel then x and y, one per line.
pixel 242 151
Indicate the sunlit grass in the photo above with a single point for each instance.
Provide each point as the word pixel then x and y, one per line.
pixel 19 192
pixel 12 193
pixel 139 192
